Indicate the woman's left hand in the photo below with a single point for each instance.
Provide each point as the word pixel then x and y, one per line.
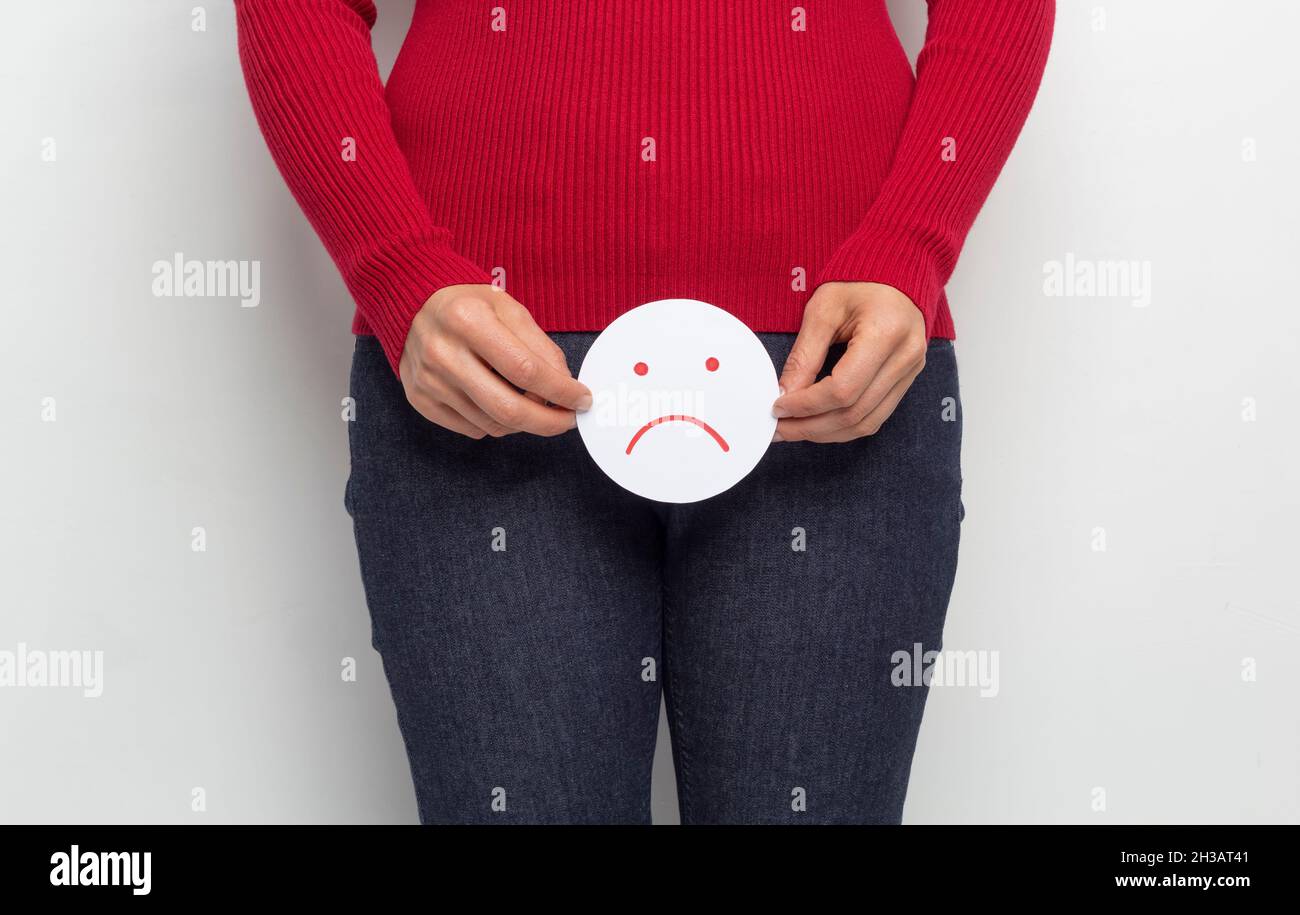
pixel 885 333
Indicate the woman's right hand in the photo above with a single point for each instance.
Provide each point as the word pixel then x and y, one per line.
pixel 469 352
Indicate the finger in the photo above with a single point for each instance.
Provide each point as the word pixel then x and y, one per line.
pixel 872 422
pixel 520 320
pixel 435 383
pixel 808 354
pixel 539 342
pixel 843 387
pixel 899 367
pixel 502 349
pixel 442 386
pixel 504 404
pixel 443 415
pixel 459 401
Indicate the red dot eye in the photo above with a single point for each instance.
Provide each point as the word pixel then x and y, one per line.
pixel 711 364
pixel 640 368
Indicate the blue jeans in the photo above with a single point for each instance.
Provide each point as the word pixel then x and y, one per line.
pixel 528 610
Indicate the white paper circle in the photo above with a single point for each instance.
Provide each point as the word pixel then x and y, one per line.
pixel 682 397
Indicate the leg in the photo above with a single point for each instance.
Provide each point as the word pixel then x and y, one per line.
pixel 779 660
pixel 513 595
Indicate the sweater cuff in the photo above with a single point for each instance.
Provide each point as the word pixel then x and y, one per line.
pixel 894 257
pixel 394 282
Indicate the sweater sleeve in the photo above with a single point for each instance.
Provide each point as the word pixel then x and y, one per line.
pixel 977 75
pixel 314 83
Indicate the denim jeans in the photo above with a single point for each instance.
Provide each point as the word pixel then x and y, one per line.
pixel 527 611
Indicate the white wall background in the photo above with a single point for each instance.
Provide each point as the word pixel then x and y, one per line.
pixel 1119 670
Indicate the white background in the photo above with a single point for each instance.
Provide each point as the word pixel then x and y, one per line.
pixel 1119 670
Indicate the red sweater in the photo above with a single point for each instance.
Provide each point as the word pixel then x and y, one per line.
pixel 591 156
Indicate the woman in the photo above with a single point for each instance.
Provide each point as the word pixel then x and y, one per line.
pixel 531 171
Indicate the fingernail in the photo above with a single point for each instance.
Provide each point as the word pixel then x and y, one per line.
pixel 584 403
pixel 782 390
pixel 780 412
pixel 778 437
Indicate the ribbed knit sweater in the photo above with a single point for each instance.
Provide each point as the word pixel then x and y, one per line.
pixel 591 155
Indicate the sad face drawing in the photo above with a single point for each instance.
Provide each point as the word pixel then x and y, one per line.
pixel 682 400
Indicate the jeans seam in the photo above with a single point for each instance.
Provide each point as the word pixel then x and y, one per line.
pixel 683 802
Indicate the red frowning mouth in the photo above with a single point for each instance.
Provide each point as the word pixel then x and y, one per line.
pixel 678 418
